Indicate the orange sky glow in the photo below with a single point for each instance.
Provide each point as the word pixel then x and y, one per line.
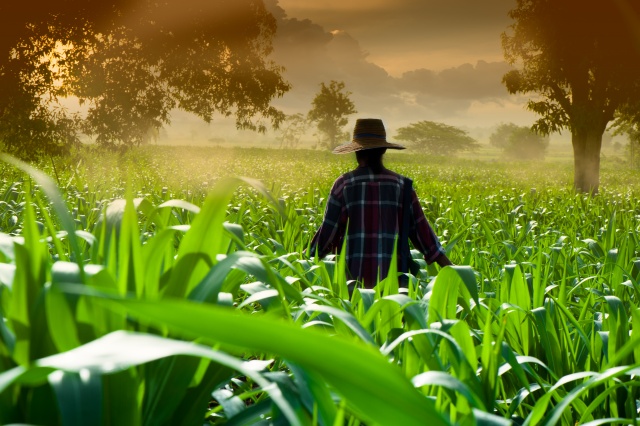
pixel 402 35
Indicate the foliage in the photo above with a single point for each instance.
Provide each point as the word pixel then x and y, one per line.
pixel 519 142
pixel 607 138
pixel 330 109
pixel 293 128
pixel 128 64
pixel 627 122
pixel 133 295
pixel 500 137
pixel 436 138
pixel 580 61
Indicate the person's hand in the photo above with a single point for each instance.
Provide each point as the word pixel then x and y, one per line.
pixel 443 261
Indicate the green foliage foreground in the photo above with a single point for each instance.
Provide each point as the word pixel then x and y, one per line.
pixel 152 309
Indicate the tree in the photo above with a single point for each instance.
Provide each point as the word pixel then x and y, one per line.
pixel 519 142
pixel 627 122
pixel 329 111
pixel 129 63
pixel 525 144
pixel 436 138
pixel 607 138
pixel 581 59
pixel 500 137
pixel 295 125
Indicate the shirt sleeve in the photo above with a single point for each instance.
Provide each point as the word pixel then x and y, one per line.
pixel 421 234
pixel 329 237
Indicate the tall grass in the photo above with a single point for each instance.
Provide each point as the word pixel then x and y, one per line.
pixel 157 301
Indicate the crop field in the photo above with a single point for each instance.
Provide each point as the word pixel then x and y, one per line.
pixel 169 286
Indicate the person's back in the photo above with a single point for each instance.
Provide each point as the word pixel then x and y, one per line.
pixel 368 205
pixel 373 211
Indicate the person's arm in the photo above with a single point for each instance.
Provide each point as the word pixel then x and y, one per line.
pixel 423 237
pixel 443 260
pixel 329 236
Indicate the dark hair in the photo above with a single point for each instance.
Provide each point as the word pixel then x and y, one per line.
pixel 372 158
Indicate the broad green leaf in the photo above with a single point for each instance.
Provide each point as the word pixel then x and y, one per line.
pixel 121 350
pixel 444 298
pixel 387 397
pixel 207 236
pixel 438 378
pixel 343 316
pixel 61 320
pixel 79 397
pixel 315 393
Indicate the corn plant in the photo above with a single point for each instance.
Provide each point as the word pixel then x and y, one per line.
pixel 143 300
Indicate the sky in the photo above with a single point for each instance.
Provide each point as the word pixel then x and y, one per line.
pixel 403 60
pixel 403 35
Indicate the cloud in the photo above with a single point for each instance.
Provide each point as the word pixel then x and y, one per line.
pixel 435 34
pixel 482 81
pixel 312 53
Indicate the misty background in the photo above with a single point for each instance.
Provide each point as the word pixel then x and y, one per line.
pixel 402 61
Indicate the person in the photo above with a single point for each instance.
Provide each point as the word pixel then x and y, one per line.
pixel 368 205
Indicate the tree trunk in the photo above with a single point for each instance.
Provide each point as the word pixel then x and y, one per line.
pixel 587 142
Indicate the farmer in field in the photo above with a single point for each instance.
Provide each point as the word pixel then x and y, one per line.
pixel 368 204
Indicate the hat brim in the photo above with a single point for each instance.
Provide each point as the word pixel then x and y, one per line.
pixel 355 146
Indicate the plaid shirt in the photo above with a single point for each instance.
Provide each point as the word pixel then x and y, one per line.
pixel 371 204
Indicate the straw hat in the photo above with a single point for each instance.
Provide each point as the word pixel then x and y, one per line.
pixel 368 133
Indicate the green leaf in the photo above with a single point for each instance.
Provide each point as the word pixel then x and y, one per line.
pixel 207 236
pixel 438 378
pixel 345 317
pixel 121 350
pixel 79 397
pixel 315 394
pixel 51 190
pixel 197 397
pixel 553 416
pixel 444 298
pixel 60 319
pixel 386 396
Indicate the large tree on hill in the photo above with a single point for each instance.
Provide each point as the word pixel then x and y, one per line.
pixel 330 109
pixel 436 138
pixel 581 59
pixel 129 63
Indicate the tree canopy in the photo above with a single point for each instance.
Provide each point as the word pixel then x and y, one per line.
pixel 581 61
pixel 292 130
pixel 129 63
pixel 500 137
pixel 330 109
pixel 519 142
pixel 627 122
pixel 436 138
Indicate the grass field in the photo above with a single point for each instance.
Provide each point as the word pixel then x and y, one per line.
pixel 153 287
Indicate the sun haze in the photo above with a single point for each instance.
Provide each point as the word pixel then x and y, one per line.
pixel 402 35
